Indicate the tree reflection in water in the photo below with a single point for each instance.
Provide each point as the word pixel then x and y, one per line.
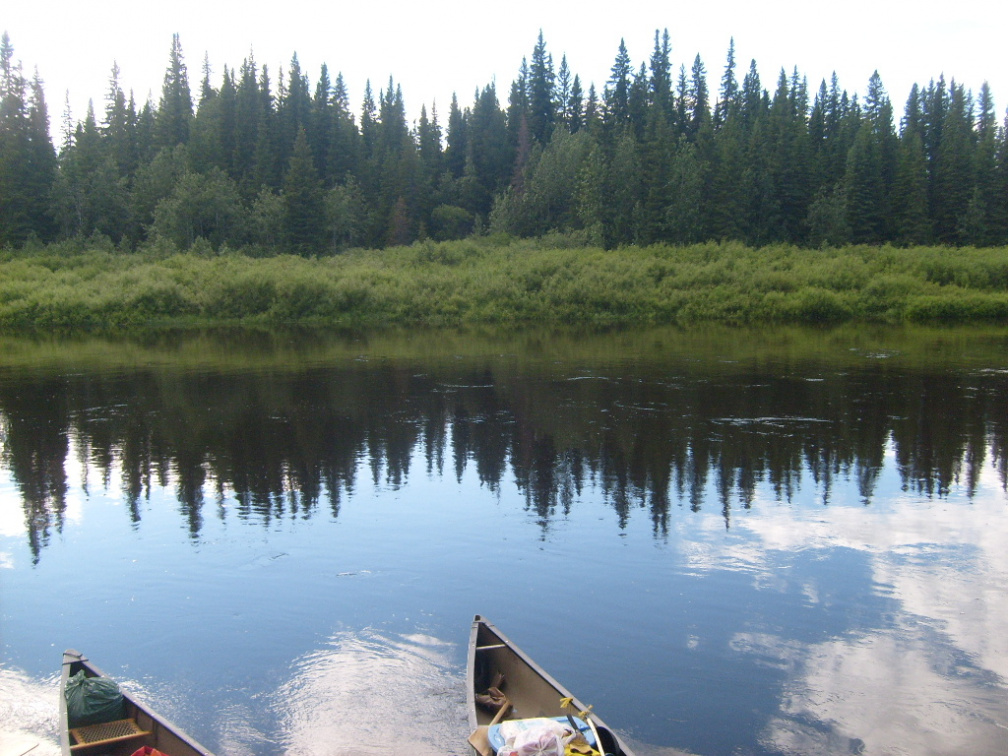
pixel 676 433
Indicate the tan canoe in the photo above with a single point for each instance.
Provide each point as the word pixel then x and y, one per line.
pixel 140 726
pixel 529 689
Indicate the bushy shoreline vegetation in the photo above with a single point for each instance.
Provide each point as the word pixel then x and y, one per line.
pixel 250 157
pixel 501 280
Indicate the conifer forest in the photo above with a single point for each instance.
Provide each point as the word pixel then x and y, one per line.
pixel 276 162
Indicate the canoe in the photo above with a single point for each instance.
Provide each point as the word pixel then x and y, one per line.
pixel 494 661
pixel 138 728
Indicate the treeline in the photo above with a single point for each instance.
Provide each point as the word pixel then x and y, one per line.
pixel 247 163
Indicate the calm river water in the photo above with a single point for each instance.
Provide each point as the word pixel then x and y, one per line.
pixel 728 542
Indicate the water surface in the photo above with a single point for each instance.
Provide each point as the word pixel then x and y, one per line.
pixel 727 542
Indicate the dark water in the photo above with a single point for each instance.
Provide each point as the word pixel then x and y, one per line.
pixel 727 542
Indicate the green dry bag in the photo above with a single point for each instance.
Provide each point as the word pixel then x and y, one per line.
pixel 91 700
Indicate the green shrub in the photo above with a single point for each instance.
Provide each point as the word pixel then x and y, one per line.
pixel 501 280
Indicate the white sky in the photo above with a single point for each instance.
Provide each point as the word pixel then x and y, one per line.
pixel 436 48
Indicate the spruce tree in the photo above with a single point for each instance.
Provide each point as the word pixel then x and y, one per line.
pixel 660 84
pixel 637 104
pixel 27 157
pixel 658 191
pixel 562 93
pixel 987 191
pixel 175 112
pixel 728 94
pixel 204 132
pixel 864 188
pixel 117 122
pixel 698 102
pixel 953 171
pixel 999 208
pixel 457 141
pixel 268 168
pixel 430 156
pixel 304 210
pixel 617 100
pixel 542 109
pixel 344 142
pixel 684 215
pixel 293 110
pixel 726 202
pixel 911 223
pixel 227 124
pixel 490 154
pixel 247 118
pixel 575 106
pixel 319 127
pixel 753 101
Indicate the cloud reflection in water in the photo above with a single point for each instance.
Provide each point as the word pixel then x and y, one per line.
pixel 369 693
pixel 932 677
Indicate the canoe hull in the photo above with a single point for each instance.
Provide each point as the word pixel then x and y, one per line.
pixel 531 690
pixel 161 734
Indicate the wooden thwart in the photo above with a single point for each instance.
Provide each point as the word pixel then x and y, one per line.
pixel 105 733
pixel 479 739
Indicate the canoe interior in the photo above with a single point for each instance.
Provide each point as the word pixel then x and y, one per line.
pixel 163 735
pixel 530 689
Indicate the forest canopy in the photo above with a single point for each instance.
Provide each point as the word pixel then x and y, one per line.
pixel 289 165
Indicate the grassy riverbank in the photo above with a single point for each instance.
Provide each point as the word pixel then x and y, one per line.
pixel 500 281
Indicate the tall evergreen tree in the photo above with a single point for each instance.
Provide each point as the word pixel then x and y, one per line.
pixel 698 100
pixel 753 100
pixel 116 129
pixel 788 159
pixel 729 92
pixel 227 115
pixel 623 189
pixel 490 154
pixel 518 102
pixel 638 103
pixel 304 210
pixel 953 171
pixel 27 157
pixel 90 196
pixel 319 126
pixel 428 139
pixel 293 109
pixel 910 221
pixel 726 206
pixel 660 95
pixel 987 195
pixel 175 112
pixel 457 142
pixel 247 119
pixel 871 168
pixel 684 215
pixel 575 106
pixel 999 207
pixel 592 111
pixel 269 170
pixel 205 138
pixel 562 93
pixel 657 150
pixel 344 143
pixel 617 93
pixel 542 109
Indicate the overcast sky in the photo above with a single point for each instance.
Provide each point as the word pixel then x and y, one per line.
pixel 434 49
